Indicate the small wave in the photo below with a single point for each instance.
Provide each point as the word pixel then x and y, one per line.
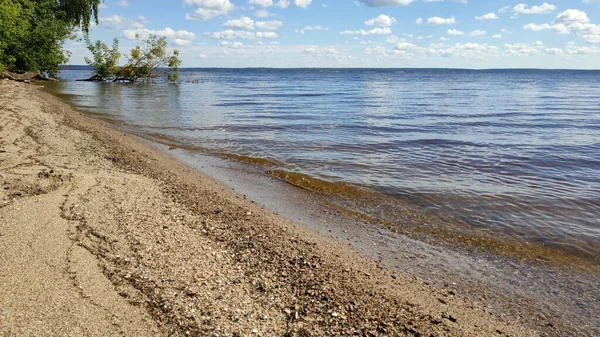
pixel 317 185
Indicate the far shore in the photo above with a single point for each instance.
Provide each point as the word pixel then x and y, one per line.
pixel 103 234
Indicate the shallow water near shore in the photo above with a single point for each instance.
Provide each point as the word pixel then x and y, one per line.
pixel 510 154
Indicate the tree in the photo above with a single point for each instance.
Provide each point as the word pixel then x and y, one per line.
pixel 10 15
pixel 80 13
pixel 150 60
pixel 32 32
pixel 105 61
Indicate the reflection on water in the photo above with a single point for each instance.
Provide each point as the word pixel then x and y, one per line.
pixel 516 152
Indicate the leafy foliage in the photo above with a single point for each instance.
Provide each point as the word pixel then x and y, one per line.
pixel 80 13
pixel 32 32
pixel 147 60
pixel 105 61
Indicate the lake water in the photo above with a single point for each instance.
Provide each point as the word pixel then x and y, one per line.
pixel 509 153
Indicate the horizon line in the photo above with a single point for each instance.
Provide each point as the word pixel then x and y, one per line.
pixel 64 66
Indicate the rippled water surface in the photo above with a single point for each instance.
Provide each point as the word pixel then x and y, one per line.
pixel 510 151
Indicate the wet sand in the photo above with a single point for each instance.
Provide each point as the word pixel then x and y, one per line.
pixel 102 234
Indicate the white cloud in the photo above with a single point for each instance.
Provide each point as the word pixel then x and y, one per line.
pixel 220 5
pixel 380 3
pixel 468 50
pixel 504 10
pixel 524 49
pixel 208 9
pixel 249 24
pixel 123 3
pixel 497 36
pixel 309 28
pixel 181 42
pixel 458 50
pixel 477 33
pixel 488 16
pixel 327 53
pixel 455 32
pixel 302 3
pixel 381 21
pixel 261 13
pixel 405 49
pixel 263 3
pixel 119 22
pixel 233 45
pixel 231 34
pixel 570 21
pixel 267 35
pixel 572 15
pixel 419 21
pixel 403 45
pixel 559 28
pixel 573 49
pixel 542 9
pixel 283 3
pixel 241 23
pixel 143 20
pixel 269 25
pixel 554 51
pixel 436 20
pixel 393 39
pixel 179 37
pixel 374 31
pixel 377 50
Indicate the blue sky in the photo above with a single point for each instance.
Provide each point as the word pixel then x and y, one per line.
pixel 362 33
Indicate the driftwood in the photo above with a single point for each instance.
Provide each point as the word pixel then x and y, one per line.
pixel 27 77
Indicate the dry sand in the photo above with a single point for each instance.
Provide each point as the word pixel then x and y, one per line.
pixel 102 235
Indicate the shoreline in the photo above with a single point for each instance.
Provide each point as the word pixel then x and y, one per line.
pixel 533 290
pixel 352 200
pixel 402 215
pixel 545 293
pixel 145 218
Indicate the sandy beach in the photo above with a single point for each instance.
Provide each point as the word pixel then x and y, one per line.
pixel 104 235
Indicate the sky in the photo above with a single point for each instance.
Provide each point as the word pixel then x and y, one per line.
pixel 363 33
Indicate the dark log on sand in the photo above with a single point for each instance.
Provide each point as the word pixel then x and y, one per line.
pixel 27 77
